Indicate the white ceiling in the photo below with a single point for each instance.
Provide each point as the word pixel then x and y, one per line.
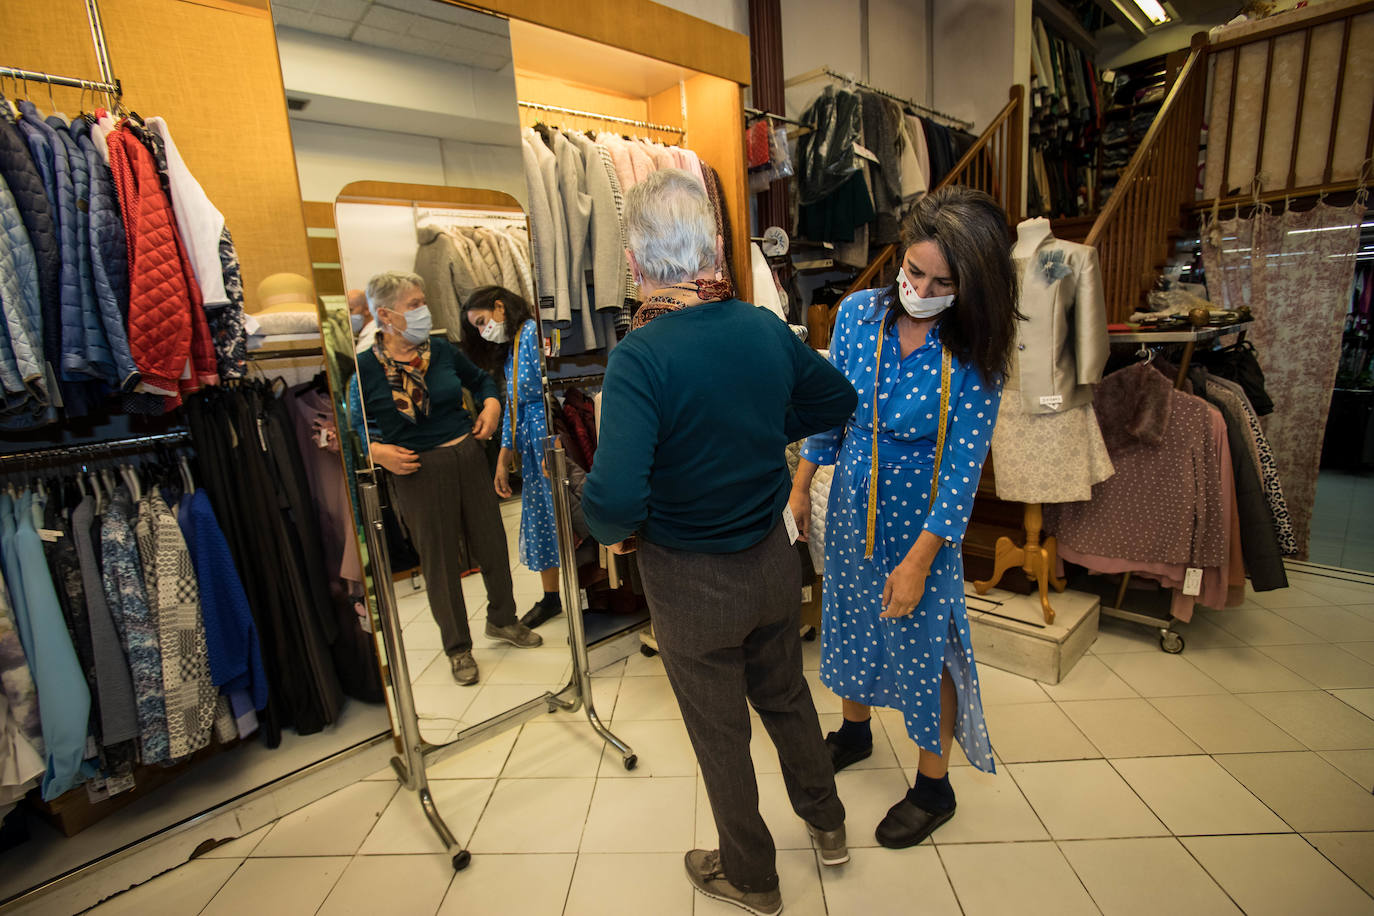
pixel 429 28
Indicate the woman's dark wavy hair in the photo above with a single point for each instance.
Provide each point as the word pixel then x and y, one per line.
pixel 487 355
pixel 970 230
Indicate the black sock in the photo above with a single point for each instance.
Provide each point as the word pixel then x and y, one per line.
pixel 933 795
pixel 552 600
pixel 855 734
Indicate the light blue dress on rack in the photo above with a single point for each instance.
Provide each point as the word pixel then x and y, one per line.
pixel 898 662
pixel 538 534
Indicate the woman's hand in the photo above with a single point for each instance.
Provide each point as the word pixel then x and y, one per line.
pixel 503 464
pixel 903 589
pixel 397 460
pixel 620 548
pixel 800 504
pixel 488 421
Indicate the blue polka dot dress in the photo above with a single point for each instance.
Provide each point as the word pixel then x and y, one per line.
pixel 898 662
pixel 538 535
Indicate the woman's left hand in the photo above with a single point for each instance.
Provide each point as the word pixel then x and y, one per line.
pixel 488 421
pixel 903 589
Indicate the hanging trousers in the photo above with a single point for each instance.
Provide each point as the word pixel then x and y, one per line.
pixel 449 502
pixel 728 627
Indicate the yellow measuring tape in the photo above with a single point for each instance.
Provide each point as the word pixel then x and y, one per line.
pixel 945 371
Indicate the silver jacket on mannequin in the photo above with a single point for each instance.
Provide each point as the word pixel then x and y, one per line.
pixel 1062 343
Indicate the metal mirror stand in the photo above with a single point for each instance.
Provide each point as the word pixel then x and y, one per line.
pixel 410 764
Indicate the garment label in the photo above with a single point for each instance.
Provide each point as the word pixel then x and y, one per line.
pixel 1052 401
pixel 864 152
pixel 806 594
pixel 49 535
pixel 1192 582
pixel 790 523
pixel 96 791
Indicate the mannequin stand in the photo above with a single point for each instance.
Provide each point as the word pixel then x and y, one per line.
pixel 1036 559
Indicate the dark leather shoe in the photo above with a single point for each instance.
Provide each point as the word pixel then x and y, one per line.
pixel 540 613
pixel 843 755
pixel 907 824
pixel 464 668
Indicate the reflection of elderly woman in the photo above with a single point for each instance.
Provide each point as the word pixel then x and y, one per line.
pixel 411 385
pixel 699 403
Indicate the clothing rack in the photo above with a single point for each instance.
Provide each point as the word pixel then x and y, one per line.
pixel 827 72
pixel 569 380
pixel 650 125
pixel 1169 638
pixel 107 82
pixel 755 114
pixel 95 449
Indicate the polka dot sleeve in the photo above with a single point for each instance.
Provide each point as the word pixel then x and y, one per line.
pixel 972 416
pixel 824 448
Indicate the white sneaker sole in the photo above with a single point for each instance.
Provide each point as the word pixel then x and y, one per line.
pixel 825 861
pixel 743 906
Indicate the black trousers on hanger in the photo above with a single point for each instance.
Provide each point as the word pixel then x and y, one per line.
pixel 450 508
pixel 729 629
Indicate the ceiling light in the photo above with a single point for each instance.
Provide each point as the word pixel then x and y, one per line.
pixel 1153 10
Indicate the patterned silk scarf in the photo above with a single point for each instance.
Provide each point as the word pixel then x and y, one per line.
pixel 409 393
pixel 679 296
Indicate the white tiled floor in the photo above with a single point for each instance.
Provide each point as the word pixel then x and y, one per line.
pixel 1234 777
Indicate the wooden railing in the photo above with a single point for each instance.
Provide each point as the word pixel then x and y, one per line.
pixel 1133 232
pixel 993 164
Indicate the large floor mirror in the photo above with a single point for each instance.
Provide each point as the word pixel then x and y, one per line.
pixel 406 126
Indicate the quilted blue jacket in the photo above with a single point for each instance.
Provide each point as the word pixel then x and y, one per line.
pixel 26 184
pixel 85 349
pixel 29 183
pixel 20 349
pixel 109 256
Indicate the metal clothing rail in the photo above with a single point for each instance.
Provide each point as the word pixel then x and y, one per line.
pixel 827 72
pixel 566 380
pixel 96 449
pixel 107 82
pixel 756 113
pixel 650 125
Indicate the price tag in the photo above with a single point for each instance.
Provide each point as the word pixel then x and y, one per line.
pixel 1192 582
pixel 49 535
pixel 1052 401
pixel 864 152
pixel 791 524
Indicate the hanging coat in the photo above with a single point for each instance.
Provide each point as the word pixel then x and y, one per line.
pixel 26 183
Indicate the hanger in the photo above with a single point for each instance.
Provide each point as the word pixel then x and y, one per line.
pixel 1146 354
pixel 187 481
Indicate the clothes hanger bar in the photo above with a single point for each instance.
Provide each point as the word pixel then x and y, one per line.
pixel 757 113
pixel 96 449
pixel 565 380
pixel 537 106
pixel 829 73
pixel 53 80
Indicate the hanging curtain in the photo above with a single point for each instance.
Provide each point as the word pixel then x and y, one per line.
pixel 1294 269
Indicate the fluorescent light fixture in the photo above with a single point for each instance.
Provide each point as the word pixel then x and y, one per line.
pixel 1153 11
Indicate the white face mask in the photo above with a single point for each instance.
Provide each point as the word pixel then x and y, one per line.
pixel 916 306
pixel 494 332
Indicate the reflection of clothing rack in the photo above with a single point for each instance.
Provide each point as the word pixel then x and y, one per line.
pixel 570 380
pixel 107 82
pixel 94 450
pixel 828 73
pixel 265 355
pixel 649 125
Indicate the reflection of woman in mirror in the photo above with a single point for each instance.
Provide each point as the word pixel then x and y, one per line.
pixel 411 385
pixel 507 336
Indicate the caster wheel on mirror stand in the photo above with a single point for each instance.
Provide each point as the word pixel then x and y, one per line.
pixel 1171 642
pixel 647 652
pixel 631 761
pixel 461 860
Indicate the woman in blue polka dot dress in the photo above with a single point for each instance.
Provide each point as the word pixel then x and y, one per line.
pixel 501 318
pixel 895 630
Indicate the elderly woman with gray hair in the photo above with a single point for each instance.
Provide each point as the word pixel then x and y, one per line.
pixel 410 385
pixel 699 403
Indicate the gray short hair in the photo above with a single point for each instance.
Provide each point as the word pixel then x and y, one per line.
pixel 383 289
pixel 670 227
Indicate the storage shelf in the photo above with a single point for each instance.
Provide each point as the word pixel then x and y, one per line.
pixel 1195 335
